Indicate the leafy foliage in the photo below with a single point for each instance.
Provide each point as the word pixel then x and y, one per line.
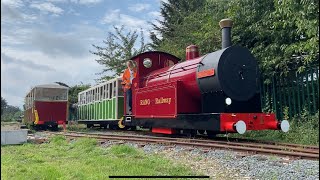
pixel 119 48
pixel 4 104
pixel 74 90
pixel 199 28
pixel 8 112
pixel 174 13
pixel 282 35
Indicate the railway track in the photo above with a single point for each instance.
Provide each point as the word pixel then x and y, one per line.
pixel 242 145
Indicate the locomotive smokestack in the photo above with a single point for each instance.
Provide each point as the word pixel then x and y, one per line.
pixel 226 25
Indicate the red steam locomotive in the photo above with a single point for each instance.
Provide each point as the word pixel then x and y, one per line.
pixel 217 92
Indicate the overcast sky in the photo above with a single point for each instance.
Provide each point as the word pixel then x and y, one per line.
pixel 46 41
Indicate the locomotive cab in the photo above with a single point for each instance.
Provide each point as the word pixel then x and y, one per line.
pixel 147 63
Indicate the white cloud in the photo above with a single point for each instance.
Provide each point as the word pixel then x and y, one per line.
pixel 86 2
pixel 15 36
pixel 11 12
pixel 45 56
pixel 116 18
pixel 35 68
pixel 155 14
pixel 47 7
pixel 164 1
pixel 58 1
pixel 139 7
pixel 12 3
pixel 74 12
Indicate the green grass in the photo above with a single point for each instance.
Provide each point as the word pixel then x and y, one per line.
pixel 302 131
pixel 81 159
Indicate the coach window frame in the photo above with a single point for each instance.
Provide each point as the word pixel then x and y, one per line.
pixel 107 90
pixel 115 88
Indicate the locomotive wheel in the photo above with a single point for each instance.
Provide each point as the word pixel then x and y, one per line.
pixel 211 134
pixel 190 132
pixel 54 127
pixel 201 132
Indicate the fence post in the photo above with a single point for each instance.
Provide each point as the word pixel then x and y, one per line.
pixel 308 94
pixel 274 95
pixel 294 97
pixel 313 93
pixel 298 92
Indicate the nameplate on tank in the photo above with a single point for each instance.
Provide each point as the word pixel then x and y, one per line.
pixel 205 73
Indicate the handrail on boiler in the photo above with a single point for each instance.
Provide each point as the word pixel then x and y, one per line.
pixel 183 68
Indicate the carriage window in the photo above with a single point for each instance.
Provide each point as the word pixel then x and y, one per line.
pixel 97 94
pixel 107 91
pixel 114 88
pixel 101 92
pixel 80 99
pixel 93 95
pixel 120 90
pixel 168 63
pixel 87 97
pixel 50 94
pixel 110 90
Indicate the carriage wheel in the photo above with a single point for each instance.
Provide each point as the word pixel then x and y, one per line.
pixel 201 132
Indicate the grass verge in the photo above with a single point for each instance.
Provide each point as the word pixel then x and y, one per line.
pixel 81 159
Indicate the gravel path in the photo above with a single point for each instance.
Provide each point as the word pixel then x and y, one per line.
pixel 222 164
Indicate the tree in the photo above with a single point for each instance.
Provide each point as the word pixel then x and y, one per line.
pixel 4 104
pixel 74 90
pixel 8 112
pixel 119 48
pixel 173 13
pixel 283 35
pixel 193 23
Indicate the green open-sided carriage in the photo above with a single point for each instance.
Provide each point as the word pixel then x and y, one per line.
pixel 101 104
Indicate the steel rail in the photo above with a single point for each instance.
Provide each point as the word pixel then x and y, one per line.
pixel 261 148
pixel 253 144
